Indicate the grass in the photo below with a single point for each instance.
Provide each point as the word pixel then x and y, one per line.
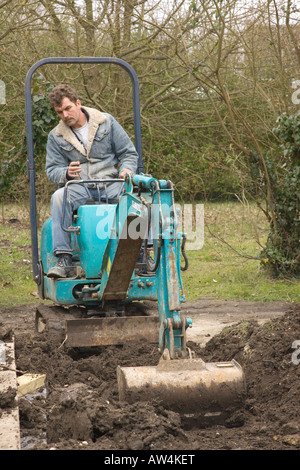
pixel 225 268
pixel 16 283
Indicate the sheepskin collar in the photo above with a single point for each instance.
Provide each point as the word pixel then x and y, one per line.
pixel 95 119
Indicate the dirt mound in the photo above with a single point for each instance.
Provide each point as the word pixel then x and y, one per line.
pixel 270 356
pixel 81 409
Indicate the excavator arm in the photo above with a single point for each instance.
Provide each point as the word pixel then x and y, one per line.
pixel 135 217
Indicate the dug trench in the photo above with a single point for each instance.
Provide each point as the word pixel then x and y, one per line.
pixel 80 409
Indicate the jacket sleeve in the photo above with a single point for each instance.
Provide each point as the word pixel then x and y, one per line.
pixel 123 148
pixel 56 164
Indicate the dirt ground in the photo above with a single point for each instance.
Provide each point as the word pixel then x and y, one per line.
pixel 80 409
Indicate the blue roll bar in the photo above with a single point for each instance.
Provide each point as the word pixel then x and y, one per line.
pixel 29 134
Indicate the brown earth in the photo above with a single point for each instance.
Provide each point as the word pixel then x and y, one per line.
pixel 80 407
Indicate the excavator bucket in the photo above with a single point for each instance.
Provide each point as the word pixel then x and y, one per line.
pixel 188 386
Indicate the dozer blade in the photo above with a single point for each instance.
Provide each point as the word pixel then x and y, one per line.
pixel 185 385
pixel 111 331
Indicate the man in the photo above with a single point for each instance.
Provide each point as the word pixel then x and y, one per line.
pixel 86 144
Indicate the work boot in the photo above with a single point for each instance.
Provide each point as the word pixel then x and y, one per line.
pixel 62 267
pixel 141 264
pixel 150 262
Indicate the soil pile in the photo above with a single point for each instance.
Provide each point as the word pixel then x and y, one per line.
pixel 270 356
pixel 80 408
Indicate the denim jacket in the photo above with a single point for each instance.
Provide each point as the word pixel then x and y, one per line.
pixel 109 149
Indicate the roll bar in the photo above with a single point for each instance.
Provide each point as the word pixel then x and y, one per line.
pixel 29 134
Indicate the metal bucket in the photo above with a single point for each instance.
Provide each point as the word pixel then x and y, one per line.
pixel 185 385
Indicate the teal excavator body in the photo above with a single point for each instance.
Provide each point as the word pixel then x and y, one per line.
pixel 111 258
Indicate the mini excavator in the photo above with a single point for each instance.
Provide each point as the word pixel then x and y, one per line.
pixel 112 269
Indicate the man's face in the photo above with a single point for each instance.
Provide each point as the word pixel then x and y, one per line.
pixel 69 112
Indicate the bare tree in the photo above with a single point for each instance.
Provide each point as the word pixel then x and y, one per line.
pixel 213 75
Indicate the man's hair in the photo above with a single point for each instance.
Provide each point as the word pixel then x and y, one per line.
pixel 59 93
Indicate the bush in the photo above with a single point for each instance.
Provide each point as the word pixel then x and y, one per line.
pixel 282 251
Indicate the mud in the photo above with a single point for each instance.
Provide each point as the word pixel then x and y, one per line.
pixel 80 408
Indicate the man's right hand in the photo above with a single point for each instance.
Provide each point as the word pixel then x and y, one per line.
pixel 74 170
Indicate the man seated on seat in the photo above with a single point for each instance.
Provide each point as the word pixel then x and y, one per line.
pixel 86 144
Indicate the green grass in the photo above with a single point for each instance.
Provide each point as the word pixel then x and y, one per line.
pixel 16 282
pixel 225 268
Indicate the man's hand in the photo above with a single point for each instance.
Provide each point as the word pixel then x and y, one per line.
pixel 124 172
pixel 74 170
